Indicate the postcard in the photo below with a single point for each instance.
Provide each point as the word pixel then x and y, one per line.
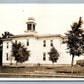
pixel 41 42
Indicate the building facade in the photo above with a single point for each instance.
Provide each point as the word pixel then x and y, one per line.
pixel 39 46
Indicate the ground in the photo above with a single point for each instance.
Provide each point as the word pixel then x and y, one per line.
pixel 41 72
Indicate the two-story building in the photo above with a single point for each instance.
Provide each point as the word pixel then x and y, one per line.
pixel 39 46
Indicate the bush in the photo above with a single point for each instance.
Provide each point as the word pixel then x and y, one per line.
pixel 38 64
pixel 80 62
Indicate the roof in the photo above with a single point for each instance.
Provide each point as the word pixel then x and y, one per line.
pixel 31 18
pixel 35 36
pixel 51 35
pixel 6 39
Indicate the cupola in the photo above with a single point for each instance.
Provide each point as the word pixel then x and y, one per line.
pixel 31 25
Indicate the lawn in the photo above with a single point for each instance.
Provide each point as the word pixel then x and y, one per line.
pixel 56 70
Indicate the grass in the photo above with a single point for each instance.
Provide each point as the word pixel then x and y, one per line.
pixel 59 70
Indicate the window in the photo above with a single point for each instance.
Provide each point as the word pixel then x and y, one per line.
pixel 44 43
pixel 44 56
pixel 51 43
pixel 7 44
pixel 29 27
pixel 27 42
pixel 6 56
pixel 33 27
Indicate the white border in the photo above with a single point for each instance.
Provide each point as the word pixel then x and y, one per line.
pixel 42 79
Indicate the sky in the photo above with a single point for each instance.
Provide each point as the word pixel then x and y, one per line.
pixel 50 18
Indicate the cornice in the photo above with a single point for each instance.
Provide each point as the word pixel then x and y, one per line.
pixel 37 36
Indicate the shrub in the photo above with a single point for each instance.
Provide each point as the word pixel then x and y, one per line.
pixel 38 64
pixel 80 62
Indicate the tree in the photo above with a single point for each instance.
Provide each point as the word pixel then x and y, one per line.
pixel 20 53
pixel 53 55
pixel 75 40
pixel 6 34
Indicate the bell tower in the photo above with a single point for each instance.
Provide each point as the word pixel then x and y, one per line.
pixel 31 29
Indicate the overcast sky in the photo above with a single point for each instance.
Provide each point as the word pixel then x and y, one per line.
pixel 50 18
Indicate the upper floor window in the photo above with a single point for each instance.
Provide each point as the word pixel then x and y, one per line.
pixel 51 42
pixel 44 56
pixel 27 42
pixel 44 43
pixel 6 56
pixel 7 44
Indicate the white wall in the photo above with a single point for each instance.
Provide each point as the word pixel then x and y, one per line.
pixel 36 50
pixel 6 50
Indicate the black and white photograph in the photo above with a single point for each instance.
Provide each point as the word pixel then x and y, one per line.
pixel 42 41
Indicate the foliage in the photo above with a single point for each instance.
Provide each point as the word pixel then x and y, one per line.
pixel 20 53
pixel 74 36
pixel 75 39
pixel 53 55
pixel 5 35
pixel 80 62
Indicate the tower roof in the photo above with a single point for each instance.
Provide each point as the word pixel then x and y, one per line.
pixel 31 20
